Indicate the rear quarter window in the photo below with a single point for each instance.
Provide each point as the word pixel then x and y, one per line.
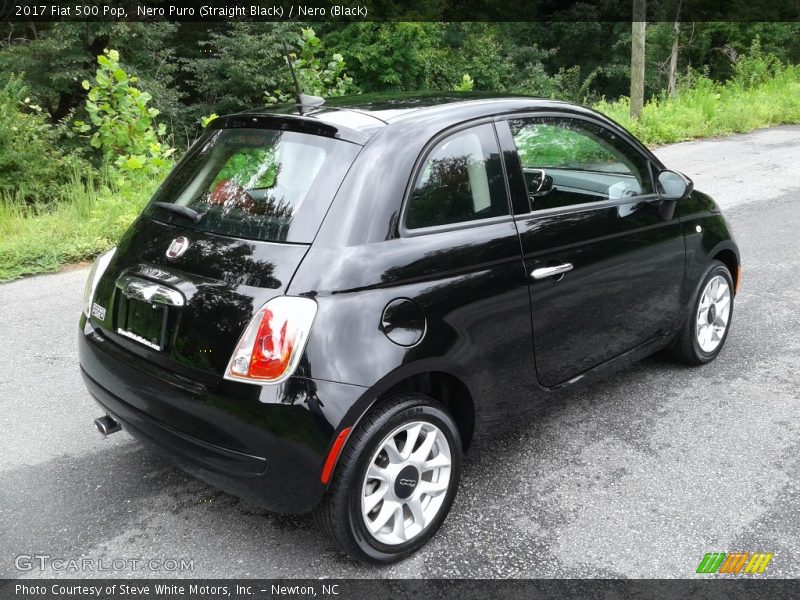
pixel 257 183
pixel 461 180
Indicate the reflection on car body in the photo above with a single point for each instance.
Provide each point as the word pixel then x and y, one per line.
pixel 369 286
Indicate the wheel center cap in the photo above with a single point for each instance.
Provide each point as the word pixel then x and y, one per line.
pixel 712 313
pixel 406 482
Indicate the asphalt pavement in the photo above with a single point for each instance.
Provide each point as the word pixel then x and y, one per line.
pixel 639 476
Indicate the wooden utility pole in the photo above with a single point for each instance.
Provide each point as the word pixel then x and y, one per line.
pixel 637 57
pixel 672 75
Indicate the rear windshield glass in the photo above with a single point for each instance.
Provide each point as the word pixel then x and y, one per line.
pixel 256 183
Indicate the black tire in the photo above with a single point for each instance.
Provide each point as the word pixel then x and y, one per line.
pixel 686 347
pixel 339 513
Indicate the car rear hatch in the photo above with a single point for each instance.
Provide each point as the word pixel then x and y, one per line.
pixel 223 234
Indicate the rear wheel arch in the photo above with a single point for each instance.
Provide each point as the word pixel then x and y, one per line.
pixel 443 387
pixel 448 390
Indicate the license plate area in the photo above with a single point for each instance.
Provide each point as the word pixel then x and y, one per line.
pixel 143 322
pixel 144 309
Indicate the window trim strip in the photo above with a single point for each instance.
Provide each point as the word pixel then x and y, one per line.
pixel 587 206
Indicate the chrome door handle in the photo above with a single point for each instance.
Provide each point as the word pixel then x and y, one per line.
pixel 546 272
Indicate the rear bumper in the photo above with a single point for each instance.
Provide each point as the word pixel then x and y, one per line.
pixel 208 456
pixel 266 444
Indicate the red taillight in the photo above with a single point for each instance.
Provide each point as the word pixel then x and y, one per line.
pixel 271 346
pixel 272 349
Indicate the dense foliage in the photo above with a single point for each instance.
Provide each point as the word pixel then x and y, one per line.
pixel 121 124
pixel 314 75
pixel 90 112
pixel 33 163
pixel 194 69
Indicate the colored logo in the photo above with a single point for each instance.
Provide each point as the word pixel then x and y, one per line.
pixel 177 247
pixel 735 563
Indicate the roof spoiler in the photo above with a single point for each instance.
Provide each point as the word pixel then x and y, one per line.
pixel 286 122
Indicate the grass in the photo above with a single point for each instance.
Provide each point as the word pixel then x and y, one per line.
pixel 709 109
pixel 90 216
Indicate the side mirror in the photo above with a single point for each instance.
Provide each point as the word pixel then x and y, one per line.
pixel 673 185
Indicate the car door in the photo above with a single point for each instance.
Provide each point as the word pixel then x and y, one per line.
pixel 605 261
pixel 466 272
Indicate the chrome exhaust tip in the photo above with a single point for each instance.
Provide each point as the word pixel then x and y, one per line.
pixel 106 425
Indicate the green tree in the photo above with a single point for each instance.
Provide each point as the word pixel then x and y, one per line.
pixel 121 123
pixel 55 56
pixel 386 56
pixel 465 85
pixel 193 69
pixel 431 56
pixel 315 75
pixel 236 64
pixel 33 163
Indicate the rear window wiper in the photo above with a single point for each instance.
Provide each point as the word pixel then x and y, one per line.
pixel 184 211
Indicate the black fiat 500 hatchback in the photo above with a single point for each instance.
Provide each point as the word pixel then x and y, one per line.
pixel 322 307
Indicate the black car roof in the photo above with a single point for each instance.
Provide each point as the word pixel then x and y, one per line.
pixel 358 118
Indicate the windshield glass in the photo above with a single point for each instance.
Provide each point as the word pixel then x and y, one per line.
pixel 257 183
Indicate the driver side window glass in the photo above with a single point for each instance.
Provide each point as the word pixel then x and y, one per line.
pixel 570 161
pixel 461 180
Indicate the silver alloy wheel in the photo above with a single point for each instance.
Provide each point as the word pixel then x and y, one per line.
pixel 713 314
pixel 406 482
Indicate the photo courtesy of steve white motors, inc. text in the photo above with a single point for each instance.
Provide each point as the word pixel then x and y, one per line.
pixel 174 589
pixel 232 11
